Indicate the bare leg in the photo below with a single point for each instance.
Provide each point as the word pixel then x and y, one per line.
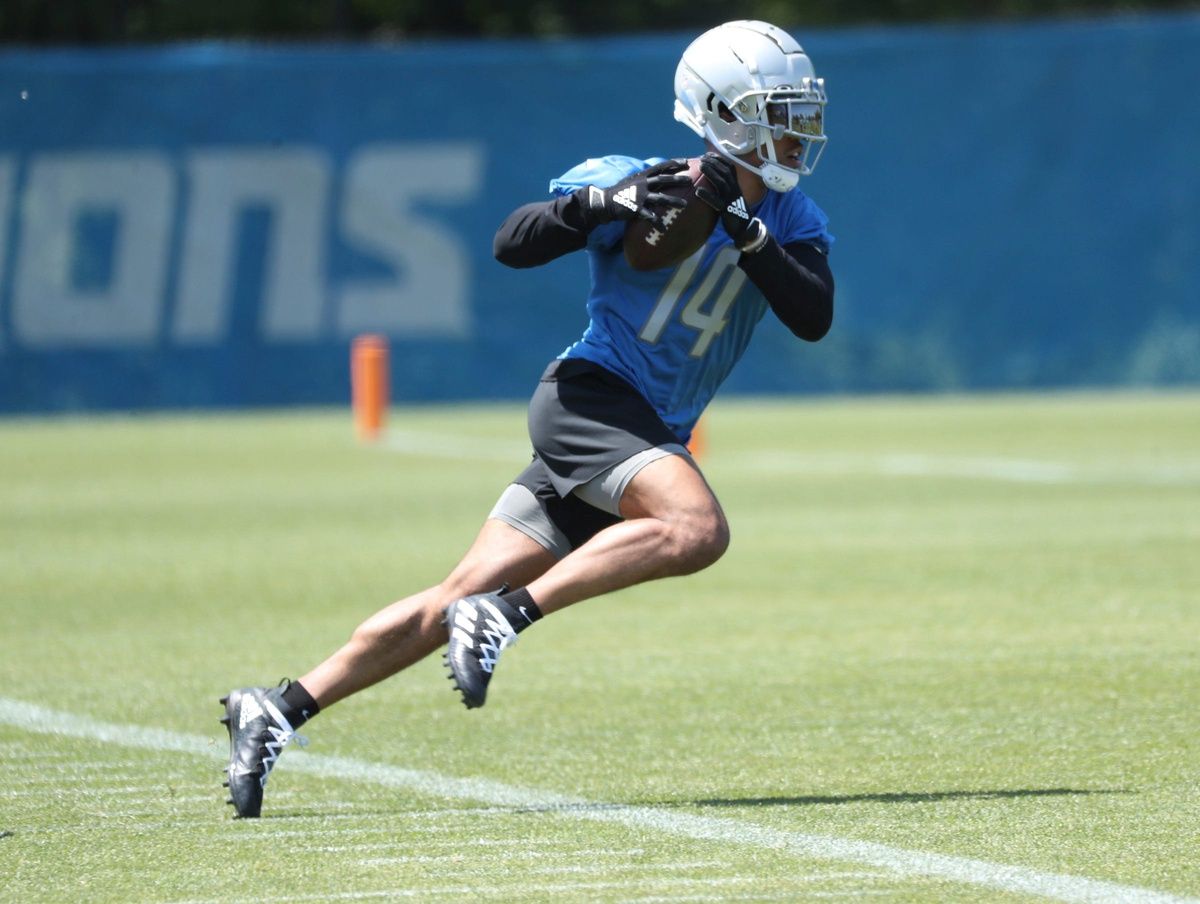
pixel 674 526
pixel 409 630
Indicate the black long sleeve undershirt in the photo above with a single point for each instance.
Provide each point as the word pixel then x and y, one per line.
pixel 797 283
pixel 539 232
pixel 795 280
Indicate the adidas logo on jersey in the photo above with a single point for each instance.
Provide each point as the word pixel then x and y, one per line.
pixel 738 207
pixel 627 197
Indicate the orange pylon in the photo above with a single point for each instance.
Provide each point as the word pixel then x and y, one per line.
pixel 369 385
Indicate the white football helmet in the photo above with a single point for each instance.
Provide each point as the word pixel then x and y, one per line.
pixel 742 84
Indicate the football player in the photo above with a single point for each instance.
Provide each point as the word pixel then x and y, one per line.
pixel 612 497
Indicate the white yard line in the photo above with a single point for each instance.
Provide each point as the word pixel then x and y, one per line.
pixel 439 445
pixel 854 893
pixel 473 891
pixel 899 861
pixel 972 467
pixel 499 843
pixel 892 464
pixel 147 791
pixel 112 770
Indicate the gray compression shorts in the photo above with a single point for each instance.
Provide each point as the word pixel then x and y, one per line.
pixel 520 508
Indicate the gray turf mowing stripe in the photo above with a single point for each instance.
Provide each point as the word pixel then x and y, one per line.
pixel 901 861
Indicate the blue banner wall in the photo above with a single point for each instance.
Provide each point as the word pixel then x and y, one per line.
pixel 210 225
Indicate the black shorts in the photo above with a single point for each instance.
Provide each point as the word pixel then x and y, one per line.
pixel 583 420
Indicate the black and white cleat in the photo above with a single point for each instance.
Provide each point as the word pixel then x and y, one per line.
pixel 478 634
pixel 258 732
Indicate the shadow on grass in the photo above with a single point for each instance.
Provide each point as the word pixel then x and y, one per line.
pixel 898 797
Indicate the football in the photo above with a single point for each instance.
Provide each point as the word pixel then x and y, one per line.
pixel 684 229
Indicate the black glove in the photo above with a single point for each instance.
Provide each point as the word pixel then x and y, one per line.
pixel 633 196
pixel 723 194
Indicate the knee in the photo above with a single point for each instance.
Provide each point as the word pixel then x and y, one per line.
pixel 714 539
pixel 464 580
pixel 699 541
pixel 416 615
pixel 375 632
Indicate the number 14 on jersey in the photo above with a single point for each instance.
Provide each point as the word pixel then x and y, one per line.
pixel 710 322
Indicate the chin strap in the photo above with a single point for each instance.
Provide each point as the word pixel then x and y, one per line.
pixel 779 178
pixel 775 176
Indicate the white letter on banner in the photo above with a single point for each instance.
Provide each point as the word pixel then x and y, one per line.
pixel 6 174
pixel 47 310
pixel 427 296
pixel 293 184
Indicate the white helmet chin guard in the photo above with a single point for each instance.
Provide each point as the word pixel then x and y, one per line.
pixel 744 85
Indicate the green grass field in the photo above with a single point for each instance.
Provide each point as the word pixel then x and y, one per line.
pixel 957 627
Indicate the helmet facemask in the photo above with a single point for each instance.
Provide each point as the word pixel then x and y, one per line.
pixel 755 120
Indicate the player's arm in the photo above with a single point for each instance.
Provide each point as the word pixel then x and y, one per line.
pixel 795 280
pixel 797 283
pixel 538 233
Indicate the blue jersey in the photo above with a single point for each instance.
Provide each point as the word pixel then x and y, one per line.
pixel 676 333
